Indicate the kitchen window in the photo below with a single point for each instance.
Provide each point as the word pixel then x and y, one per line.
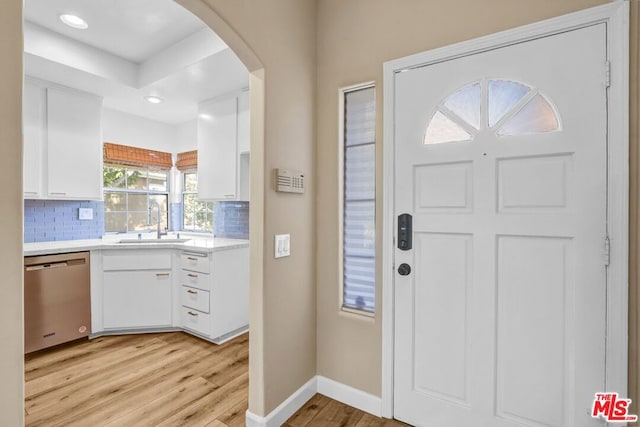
pixel 196 215
pixel 358 194
pixel 128 193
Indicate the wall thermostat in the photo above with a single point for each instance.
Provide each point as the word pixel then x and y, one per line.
pixel 289 181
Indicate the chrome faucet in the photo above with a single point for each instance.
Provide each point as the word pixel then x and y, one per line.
pixel 153 203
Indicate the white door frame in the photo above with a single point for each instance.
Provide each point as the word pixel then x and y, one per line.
pixel 616 16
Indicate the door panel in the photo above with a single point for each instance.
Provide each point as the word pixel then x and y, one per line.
pixel 502 320
pixel 443 313
pixel 444 187
pixel 535 290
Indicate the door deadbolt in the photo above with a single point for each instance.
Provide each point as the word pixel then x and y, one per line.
pixel 405 231
pixel 404 269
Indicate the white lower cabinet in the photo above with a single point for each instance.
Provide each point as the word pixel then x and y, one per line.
pixel 137 299
pixel 195 320
pixel 208 294
pixel 136 289
pixel 215 292
pixel 194 298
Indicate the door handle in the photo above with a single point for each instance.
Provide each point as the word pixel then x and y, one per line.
pixel 404 269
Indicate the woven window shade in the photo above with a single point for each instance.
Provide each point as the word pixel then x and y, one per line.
pixel 187 160
pixel 134 156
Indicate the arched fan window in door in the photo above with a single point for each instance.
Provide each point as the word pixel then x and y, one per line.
pixel 506 107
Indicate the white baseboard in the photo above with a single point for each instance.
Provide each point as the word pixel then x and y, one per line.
pixel 350 396
pixel 337 391
pixel 286 409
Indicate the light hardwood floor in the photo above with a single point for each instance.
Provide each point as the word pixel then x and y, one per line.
pixel 168 379
pixel 322 411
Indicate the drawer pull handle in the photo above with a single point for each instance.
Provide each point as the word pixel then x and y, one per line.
pixel 192 275
pixel 192 292
pixel 190 258
pixel 199 255
pixel 191 313
pixel 162 274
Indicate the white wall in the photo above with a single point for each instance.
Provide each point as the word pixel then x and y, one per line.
pixel 187 136
pixel 127 129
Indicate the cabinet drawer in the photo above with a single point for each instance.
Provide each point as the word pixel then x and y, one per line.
pixel 196 320
pixel 194 298
pixel 136 260
pixel 195 280
pixel 195 262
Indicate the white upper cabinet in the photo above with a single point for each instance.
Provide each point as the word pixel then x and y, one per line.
pixel 74 145
pixel 218 149
pixel 62 143
pixel 243 123
pixel 244 142
pixel 33 121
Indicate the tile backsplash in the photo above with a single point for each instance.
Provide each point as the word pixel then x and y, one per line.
pixel 231 220
pixel 50 220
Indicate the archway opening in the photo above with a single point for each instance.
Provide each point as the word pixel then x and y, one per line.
pixel 255 78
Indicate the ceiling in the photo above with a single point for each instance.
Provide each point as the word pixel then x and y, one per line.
pixel 131 49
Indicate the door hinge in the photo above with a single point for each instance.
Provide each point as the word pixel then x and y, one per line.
pixel 607 74
pixel 607 250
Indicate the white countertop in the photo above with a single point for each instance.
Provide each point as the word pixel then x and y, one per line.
pixel 198 243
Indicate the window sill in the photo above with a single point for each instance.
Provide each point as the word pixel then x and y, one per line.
pixel 357 312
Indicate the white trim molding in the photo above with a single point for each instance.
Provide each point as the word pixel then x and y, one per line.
pixel 286 409
pixel 337 391
pixel 616 17
pixel 349 396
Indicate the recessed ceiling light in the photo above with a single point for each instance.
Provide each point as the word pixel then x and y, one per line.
pixel 74 21
pixel 154 99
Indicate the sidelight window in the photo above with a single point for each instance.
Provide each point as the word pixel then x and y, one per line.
pixel 358 155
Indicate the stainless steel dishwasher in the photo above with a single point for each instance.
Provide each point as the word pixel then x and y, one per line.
pixel 57 302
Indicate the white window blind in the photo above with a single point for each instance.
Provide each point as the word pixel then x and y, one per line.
pixel 359 204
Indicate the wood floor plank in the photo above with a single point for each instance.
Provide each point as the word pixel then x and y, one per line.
pixel 204 411
pixel 369 420
pixel 145 390
pixel 347 416
pixel 308 411
pixel 75 372
pixel 236 416
pixel 153 413
pixel 46 361
pixel 326 414
pixel 222 374
pixel 86 390
pixel 165 379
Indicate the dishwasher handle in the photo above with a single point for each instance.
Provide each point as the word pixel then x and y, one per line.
pixel 52 265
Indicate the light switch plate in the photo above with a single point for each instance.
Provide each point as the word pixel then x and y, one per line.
pixel 282 245
pixel 85 213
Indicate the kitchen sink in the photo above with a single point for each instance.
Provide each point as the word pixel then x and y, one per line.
pixel 150 241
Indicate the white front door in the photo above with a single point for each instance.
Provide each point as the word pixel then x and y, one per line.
pixel 501 159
